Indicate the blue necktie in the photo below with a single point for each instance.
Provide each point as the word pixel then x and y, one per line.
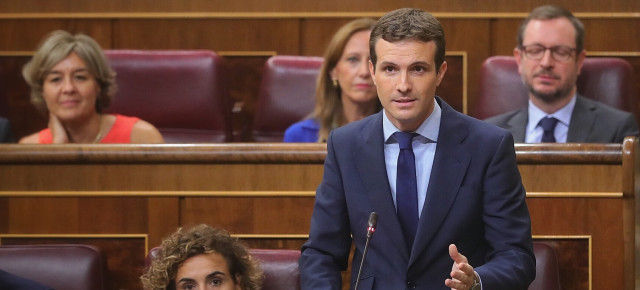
pixel 548 125
pixel 407 188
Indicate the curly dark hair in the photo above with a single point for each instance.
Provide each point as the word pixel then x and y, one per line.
pixel 201 239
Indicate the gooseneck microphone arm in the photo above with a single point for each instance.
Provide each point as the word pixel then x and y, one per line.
pixel 371 228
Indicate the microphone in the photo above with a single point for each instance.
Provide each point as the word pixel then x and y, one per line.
pixel 371 228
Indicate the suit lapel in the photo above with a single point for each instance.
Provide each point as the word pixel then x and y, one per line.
pixel 582 120
pixel 373 171
pixel 517 125
pixel 449 168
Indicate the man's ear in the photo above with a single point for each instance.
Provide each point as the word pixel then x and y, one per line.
pixel 372 71
pixel 517 54
pixel 441 72
pixel 580 59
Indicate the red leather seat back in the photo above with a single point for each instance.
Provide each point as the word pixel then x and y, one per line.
pixel 607 80
pixel 287 95
pixel 183 93
pixel 547 275
pixel 69 267
pixel 280 267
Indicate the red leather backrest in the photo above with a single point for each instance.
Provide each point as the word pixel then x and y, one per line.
pixel 69 267
pixel 547 275
pixel 607 80
pixel 287 95
pixel 183 93
pixel 280 267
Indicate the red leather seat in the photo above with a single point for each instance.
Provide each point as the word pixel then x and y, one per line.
pixel 69 267
pixel 183 93
pixel 607 80
pixel 280 267
pixel 281 270
pixel 547 275
pixel 287 95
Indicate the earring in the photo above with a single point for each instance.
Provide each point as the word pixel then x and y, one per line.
pixel 335 83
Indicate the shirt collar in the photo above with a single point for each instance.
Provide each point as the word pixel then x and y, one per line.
pixel 428 130
pixel 563 115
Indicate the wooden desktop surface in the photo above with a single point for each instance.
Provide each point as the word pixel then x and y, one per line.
pixel 126 198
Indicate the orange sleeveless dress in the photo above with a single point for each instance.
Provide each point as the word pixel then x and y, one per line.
pixel 120 131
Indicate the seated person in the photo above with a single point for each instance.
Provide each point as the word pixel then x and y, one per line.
pixel 9 281
pixel 344 91
pixel 71 82
pixel 5 131
pixel 550 54
pixel 203 258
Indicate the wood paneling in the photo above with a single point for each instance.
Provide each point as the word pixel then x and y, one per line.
pixel 280 35
pixel 581 196
pixel 19 38
pixel 308 6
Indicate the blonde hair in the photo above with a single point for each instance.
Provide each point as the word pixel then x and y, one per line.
pixel 201 239
pixel 56 47
pixel 328 110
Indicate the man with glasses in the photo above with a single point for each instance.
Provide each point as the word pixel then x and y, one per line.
pixel 550 54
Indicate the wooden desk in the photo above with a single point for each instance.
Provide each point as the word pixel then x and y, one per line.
pixel 125 198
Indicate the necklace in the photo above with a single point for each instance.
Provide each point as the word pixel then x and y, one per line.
pixel 99 136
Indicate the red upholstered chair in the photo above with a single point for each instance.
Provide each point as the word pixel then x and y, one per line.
pixel 69 267
pixel 280 267
pixel 287 95
pixel 547 275
pixel 607 80
pixel 183 93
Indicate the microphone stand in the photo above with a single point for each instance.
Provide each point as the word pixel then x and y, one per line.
pixel 373 220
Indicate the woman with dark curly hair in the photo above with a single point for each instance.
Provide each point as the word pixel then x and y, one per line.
pixel 203 257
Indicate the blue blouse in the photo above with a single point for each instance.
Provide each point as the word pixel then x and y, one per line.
pixel 303 131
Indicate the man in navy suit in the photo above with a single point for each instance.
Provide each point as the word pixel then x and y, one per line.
pixel 473 229
pixel 550 55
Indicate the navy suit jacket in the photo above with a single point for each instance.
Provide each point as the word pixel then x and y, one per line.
pixel 591 122
pixel 475 200
pixel 5 131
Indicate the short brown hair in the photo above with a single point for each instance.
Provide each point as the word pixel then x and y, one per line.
pixel 549 12
pixel 56 47
pixel 201 239
pixel 409 23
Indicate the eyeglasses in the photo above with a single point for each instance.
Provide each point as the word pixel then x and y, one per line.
pixel 536 52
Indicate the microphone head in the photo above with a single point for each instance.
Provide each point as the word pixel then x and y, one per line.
pixel 373 219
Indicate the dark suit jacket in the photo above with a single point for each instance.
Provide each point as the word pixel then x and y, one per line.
pixel 591 122
pixel 475 200
pixel 9 281
pixel 5 131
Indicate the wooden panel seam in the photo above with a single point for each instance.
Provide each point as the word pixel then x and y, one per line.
pixel 289 15
pixel 261 194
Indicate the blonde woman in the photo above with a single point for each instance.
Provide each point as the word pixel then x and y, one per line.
pixel 344 90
